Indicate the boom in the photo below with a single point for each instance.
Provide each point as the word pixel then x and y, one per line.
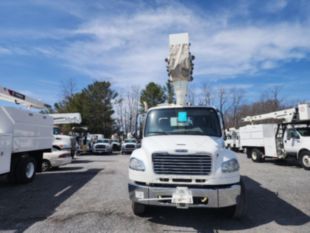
pixel 300 113
pixel 180 66
pixel 19 98
pixel 66 118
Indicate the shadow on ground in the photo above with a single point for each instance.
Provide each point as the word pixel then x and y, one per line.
pixel 23 205
pixel 264 207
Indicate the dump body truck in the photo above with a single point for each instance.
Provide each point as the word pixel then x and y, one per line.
pixel 24 137
pixel 182 161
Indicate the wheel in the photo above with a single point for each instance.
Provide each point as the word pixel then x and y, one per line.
pixel 25 170
pixel 239 210
pixel 46 165
pixel 256 155
pixel 304 159
pixel 138 208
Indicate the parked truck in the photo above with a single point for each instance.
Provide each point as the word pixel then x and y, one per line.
pixel 24 137
pixel 289 138
pixel 232 140
pixel 61 141
pixel 182 161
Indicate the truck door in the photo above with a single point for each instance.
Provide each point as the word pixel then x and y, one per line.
pixel 5 153
pixel 291 141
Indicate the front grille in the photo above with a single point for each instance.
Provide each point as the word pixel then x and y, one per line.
pixel 130 146
pixel 182 164
pixel 100 147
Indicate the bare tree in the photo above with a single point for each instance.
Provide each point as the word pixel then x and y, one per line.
pixel 191 99
pixel 68 88
pixel 236 96
pixel 206 95
pixel 222 96
pixel 127 109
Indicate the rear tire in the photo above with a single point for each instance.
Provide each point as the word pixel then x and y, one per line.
pixel 138 208
pixel 46 165
pixel 304 160
pixel 25 170
pixel 256 155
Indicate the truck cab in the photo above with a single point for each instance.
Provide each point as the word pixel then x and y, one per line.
pixel 183 163
pixel 297 143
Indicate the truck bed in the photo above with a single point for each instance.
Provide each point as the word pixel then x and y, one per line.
pixel 30 131
pixel 262 135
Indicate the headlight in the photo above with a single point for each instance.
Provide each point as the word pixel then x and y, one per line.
pixel 230 166
pixel 136 164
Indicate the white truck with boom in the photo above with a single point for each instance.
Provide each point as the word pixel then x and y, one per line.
pixel 182 161
pixel 289 138
pixel 24 137
pixel 232 140
pixel 65 142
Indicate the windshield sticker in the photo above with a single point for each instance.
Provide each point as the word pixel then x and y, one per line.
pixel 182 116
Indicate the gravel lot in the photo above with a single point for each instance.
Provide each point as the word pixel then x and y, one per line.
pixel 90 195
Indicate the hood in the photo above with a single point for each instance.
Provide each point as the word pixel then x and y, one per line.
pixel 182 143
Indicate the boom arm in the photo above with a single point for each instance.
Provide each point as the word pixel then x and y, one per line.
pixel 19 98
pixel 66 118
pixel 180 66
pixel 301 113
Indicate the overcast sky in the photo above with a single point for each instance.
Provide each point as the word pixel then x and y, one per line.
pixel 253 45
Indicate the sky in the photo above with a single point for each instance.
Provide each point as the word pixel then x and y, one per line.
pixel 251 45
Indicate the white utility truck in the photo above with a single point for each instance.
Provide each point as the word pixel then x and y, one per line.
pixel 182 161
pixel 24 137
pixel 290 138
pixel 232 140
pixel 65 142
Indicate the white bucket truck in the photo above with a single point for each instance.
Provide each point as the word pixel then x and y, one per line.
pixel 24 137
pixel 61 141
pixel 182 161
pixel 232 140
pixel 290 138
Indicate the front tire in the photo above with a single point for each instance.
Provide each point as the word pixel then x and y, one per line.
pixel 305 160
pixel 138 208
pixel 239 210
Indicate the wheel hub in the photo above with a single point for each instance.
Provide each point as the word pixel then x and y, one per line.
pixel 306 160
pixel 29 170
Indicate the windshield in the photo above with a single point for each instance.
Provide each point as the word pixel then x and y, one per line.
pixel 183 121
pixel 130 140
pixel 56 131
pixel 103 141
pixel 305 132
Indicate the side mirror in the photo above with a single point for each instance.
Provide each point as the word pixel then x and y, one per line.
pixel 139 126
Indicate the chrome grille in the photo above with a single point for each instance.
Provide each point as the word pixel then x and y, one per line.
pixel 182 164
pixel 130 146
pixel 100 147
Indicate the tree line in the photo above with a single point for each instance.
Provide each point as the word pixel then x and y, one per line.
pixel 105 111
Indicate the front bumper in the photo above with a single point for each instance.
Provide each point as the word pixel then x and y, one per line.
pixel 128 149
pixel 102 150
pixel 61 161
pixel 217 196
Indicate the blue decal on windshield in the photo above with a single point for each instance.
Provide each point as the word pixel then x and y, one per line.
pixel 182 116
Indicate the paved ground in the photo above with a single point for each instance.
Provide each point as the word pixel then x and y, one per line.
pixel 90 195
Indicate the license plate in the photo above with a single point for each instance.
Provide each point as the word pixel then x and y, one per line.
pixel 182 195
